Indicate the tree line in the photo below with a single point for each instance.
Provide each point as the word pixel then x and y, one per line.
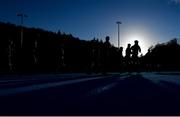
pixel 55 52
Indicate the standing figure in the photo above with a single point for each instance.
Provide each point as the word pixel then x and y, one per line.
pixel 121 59
pixel 61 59
pixel 93 56
pixel 106 55
pixel 128 51
pixel 128 57
pixel 135 49
pixel 11 55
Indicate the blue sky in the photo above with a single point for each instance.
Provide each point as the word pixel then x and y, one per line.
pixel 149 21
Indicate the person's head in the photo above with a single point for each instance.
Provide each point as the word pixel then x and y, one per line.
pixel 121 48
pixel 136 42
pixel 129 45
pixel 107 38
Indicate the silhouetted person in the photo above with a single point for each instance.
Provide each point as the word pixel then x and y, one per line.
pixel 94 54
pixel 106 55
pixel 107 43
pixel 121 52
pixel 61 61
pixel 11 52
pixel 121 59
pixel 128 51
pixel 135 49
pixel 36 51
pixel 147 60
pixel 128 57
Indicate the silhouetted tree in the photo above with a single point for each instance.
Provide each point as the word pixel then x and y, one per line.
pixel 164 56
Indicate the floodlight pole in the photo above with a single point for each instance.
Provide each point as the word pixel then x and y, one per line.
pixel 118 23
pixel 22 16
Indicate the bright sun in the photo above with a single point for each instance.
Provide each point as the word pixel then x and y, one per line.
pixel 143 42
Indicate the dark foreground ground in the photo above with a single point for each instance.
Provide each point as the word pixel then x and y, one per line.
pixel 96 94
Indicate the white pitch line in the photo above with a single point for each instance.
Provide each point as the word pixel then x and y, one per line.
pixel 41 77
pixel 157 78
pixel 102 89
pixel 11 91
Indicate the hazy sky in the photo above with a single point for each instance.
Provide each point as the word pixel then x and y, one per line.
pixel 149 21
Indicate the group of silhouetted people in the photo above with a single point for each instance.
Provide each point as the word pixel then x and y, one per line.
pixel 131 58
pixel 106 59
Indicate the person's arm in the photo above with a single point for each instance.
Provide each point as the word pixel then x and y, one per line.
pixel 139 49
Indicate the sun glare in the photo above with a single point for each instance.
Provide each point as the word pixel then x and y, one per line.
pixel 143 42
